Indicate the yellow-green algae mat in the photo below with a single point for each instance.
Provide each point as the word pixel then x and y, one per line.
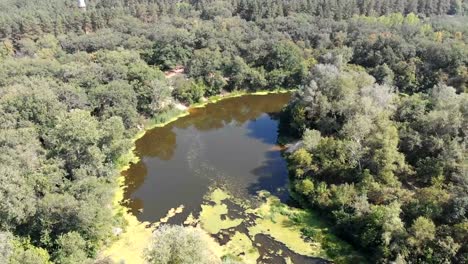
pixel 274 219
pixel 211 215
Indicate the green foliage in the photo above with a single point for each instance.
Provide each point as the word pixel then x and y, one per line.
pixel 301 161
pixel 366 142
pixel 21 156
pixel 177 244
pixel 430 202
pixel 172 49
pixel 75 139
pixel 242 76
pixel 189 91
pixel 311 139
pixel 6 245
pixel 305 187
pixel 29 101
pixel 152 91
pixel 297 118
pixel 422 230
pixel 71 249
pixel 26 253
pixel 116 98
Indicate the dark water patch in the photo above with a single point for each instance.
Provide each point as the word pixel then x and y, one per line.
pixel 270 175
pixel 272 251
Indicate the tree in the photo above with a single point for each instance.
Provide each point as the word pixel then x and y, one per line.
pixel 422 231
pixel 429 202
pixel 302 161
pixel 151 89
pixel 71 249
pixel 116 98
pixel 17 198
pixel 458 209
pixel 174 46
pixel 25 253
pixel 204 62
pixel 86 148
pixel 161 96
pixel 311 139
pixel 305 187
pixel 386 160
pixel 188 91
pixel 6 49
pixel 284 63
pixel 177 244
pixel 212 10
pixel 241 76
pixel 383 226
pixel 383 74
pixel 20 176
pixel 74 86
pixel 357 129
pixel 6 246
pixel 30 100
pixel 206 65
pixel 343 195
pixel 74 139
pixel 79 210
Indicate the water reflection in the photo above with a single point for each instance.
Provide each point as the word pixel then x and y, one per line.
pixel 134 177
pixel 232 142
pixel 160 142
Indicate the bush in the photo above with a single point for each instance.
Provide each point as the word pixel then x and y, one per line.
pixel 189 92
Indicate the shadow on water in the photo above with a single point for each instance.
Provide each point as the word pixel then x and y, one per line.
pixel 134 178
pixel 272 251
pixel 271 176
pixel 263 128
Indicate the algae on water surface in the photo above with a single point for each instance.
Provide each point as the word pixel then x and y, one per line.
pixel 278 222
pixel 211 216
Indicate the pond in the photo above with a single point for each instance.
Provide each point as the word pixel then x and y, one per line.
pixel 221 167
pixel 230 143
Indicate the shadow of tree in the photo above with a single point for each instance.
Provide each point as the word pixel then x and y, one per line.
pixel 272 176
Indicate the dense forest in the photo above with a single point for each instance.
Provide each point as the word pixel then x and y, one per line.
pixel 381 110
